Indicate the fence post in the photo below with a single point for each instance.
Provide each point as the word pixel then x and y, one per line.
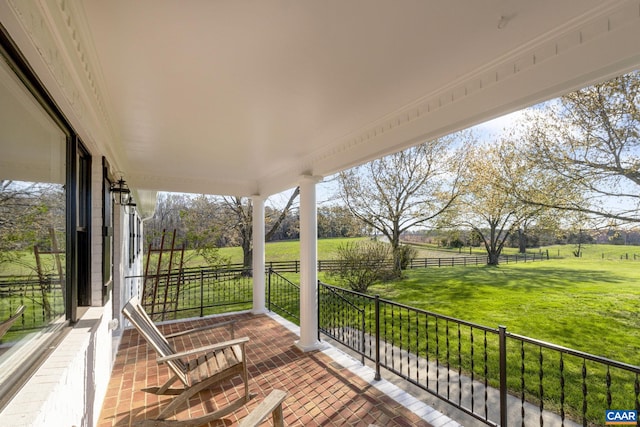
pixel 201 293
pixel 377 352
pixel 503 375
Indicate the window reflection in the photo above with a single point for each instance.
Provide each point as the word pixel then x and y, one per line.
pixel 32 225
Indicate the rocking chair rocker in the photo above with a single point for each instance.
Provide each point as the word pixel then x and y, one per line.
pixel 213 364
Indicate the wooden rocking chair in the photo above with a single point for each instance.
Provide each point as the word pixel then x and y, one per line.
pixel 6 325
pixel 213 364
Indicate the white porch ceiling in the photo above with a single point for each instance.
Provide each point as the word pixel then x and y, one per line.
pixel 244 97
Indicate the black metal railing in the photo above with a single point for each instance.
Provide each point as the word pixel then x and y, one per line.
pixel 194 293
pixel 341 318
pixel 283 296
pixel 491 374
pixel 496 377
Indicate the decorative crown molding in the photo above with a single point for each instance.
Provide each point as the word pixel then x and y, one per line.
pixel 608 18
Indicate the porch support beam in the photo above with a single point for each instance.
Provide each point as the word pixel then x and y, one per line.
pixel 308 265
pixel 258 255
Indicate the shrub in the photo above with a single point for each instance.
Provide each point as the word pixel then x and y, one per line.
pixel 362 264
pixel 406 254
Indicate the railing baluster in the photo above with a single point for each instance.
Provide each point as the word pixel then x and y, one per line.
pixel 584 392
pixel 459 365
pixel 562 396
pixel 486 377
pixel 417 348
pixel 426 328
pixel 608 382
pixel 502 335
pixel 400 337
pixel 377 320
pixel 541 374
pixel 393 344
pixel 448 361
pixel 472 369
pixel 386 362
pixel 408 351
pixel 522 383
pixel 437 359
pixel 201 294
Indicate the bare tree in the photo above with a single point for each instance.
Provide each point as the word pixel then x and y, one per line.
pixel 242 211
pixel 589 140
pixel 29 212
pixel 403 190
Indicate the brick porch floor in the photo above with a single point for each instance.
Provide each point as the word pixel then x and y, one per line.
pixel 322 391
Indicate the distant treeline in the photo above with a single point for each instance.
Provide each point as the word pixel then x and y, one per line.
pixel 215 213
pixel 532 238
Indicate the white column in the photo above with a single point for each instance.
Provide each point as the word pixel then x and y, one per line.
pixel 258 255
pixel 308 265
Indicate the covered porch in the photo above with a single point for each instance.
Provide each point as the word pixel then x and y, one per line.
pixel 250 99
pixel 325 387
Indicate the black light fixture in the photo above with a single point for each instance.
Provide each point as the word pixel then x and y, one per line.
pixel 130 206
pixel 121 189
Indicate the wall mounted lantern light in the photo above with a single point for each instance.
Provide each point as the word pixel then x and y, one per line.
pixel 130 206
pixel 121 191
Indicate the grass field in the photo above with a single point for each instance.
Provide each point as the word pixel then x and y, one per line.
pixel 585 305
pixel 591 303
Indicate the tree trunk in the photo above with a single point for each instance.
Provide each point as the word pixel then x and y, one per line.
pixel 397 255
pixel 522 241
pixel 494 258
pixel 247 257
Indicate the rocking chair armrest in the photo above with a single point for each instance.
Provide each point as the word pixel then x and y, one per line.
pixel 271 405
pixel 204 328
pixel 207 348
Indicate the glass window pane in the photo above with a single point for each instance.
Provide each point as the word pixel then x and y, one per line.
pixel 32 224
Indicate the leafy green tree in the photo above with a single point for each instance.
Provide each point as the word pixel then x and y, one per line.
pixel 338 221
pixel 488 205
pixel 201 230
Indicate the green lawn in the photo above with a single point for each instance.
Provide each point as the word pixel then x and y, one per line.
pixel 289 250
pixel 585 305
pixel 591 303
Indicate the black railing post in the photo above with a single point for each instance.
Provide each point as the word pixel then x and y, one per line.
pixel 503 375
pixel 201 293
pixel 362 338
pixel 269 289
pixel 318 307
pixel 377 341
